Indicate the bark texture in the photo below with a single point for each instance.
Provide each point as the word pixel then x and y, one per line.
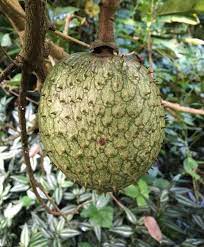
pixel 101 120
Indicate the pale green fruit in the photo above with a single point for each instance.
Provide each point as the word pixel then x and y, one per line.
pixel 101 120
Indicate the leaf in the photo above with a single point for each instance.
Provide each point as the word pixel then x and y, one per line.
pixel 66 10
pixel 58 193
pixel 124 231
pixel 26 201
pixel 6 40
pixel 190 167
pixel 144 188
pixel 34 150
pixel 161 183
pixel 141 202
pixel 130 216
pixel 91 8
pixel 12 210
pixel 38 240
pixel 191 20
pixel 194 41
pixel 84 244
pixel 15 81
pixel 199 7
pixel 69 233
pixel 97 230
pixel 100 216
pixel 131 191
pixel 102 201
pixel 185 201
pixel 176 6
pixel 153 228
pixel 25 236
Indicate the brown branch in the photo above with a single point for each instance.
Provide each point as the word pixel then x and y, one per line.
pixel 55 51
pixel 32 54
pixel 116 200
pixel 180 108
pixel 24 139
pixel 35 30
pixel 106 20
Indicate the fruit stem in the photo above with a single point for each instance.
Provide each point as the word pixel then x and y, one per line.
pixel 106 25
pixel 106 20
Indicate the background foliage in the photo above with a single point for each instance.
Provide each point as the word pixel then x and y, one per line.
pixel 171 192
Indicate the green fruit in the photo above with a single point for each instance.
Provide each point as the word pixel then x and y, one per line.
pixel 101 120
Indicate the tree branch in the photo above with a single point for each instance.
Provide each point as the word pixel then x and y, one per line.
pixel 180 108
pixel 69 38
pixel 35 31
pixel 33 48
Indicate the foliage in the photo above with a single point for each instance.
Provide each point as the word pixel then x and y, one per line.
pixel 171 192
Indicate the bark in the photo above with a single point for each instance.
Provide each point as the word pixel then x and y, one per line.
pixel 106 20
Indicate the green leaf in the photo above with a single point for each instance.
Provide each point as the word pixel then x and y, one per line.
pixel 65 10
pixel 131 191
pixel 6 40
pixel 161 183
pixel 15 81
pixel 199 7
pixel 38 240
pixel 191 20
pixel 190 166
pixel 84 244
pixel 100 216
pixel 194 41
pixel 141 202
pixel 130 216
pixel 144 188
pixel 177 6
pixel 26 201
pixel 69 233
pixel 25 236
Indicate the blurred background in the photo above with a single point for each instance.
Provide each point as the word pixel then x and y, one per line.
pixel 166 206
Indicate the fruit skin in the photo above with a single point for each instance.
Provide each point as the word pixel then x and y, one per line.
pixel 101 120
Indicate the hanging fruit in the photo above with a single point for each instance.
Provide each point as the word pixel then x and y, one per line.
pixel 100 117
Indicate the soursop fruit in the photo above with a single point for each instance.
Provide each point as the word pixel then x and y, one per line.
pixel 101 120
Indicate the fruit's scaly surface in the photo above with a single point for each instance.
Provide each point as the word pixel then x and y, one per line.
pixel 101 120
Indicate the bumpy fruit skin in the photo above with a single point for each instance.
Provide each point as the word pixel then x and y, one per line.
pixel 101 120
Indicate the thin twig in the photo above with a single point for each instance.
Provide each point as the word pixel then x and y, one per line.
pixel 5 53
pixel 17 95
pixel 68 19
pixel 116 200
pixel 69 38
pixel 180 108
pixel 8 70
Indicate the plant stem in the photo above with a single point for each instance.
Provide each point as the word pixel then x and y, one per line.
pixel 106 20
